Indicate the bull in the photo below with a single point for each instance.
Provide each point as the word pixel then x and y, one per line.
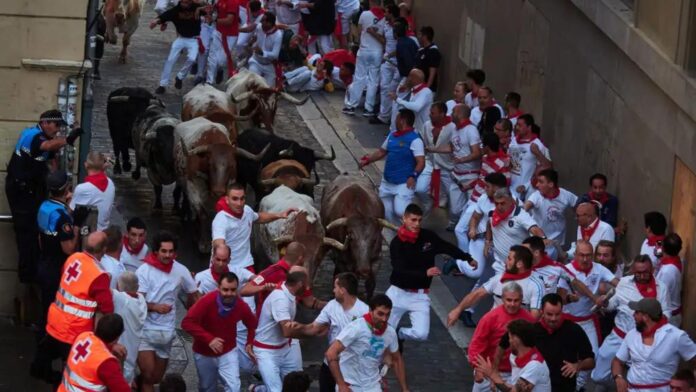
pixel 124 15
pixel 205 164
pixel 286 172
pixel 123 106
pixel 256 99
pixel 353 214
pixel 303 226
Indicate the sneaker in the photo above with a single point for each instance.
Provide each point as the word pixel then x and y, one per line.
pixel 401 341
pixel 177 83
pixel 449 266
pixel 160 90
pixel 377 120
pixel 194 68
pixel 468 319
pixel 367 113
pixel 348 110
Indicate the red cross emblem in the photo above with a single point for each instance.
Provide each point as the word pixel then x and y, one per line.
pixel 82 350
pixel 73 272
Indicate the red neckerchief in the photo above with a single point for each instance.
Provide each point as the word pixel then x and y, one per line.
pixel 498 217
pixel 653 239
pixel 127 247
pixel 554 194
pixel 402 132
pixel 579 268
pixel 587 233
pixel 99 180
pixel 545 261
pixel 271 31
pixel 463 123
pixel 532 355
pixel 671 260
pixel 378 12
pixel 650 332
pixel 222 205
pixel 532 138
pixel 435 182
pixel 519 113
pixel 438 127
pixel 378 332
pixel 602 198
pixel 152 259
pixel 507 276
pixel 548 329
pixel 216 276
pixel 418 88
pixel 406 235
pixel 648 290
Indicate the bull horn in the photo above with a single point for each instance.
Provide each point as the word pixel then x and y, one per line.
pixel 386 224
pixel 119 98
pixel 294 100
pixel 334 243
pixel 336 223
pixel 150 135
pixel 198 150
pixel 287 153
pixel 323 155
pixel 242 97
pixel 246 154
pixel 247 117
pixel 269 181
pixel 282 240
pixel 307 181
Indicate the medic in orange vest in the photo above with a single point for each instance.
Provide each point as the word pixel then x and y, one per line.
pixel 91 364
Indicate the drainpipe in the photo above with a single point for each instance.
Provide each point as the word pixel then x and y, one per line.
pixel 87 82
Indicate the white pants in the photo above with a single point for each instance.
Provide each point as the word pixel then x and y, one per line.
pixel 589 327
pixel 457 198
pixel 246 365
pixel 603 357
pixel 485 385
pixel 217 56
pixel 320 44
pixel 461 231
pixel 302 79
pixel 355 388
pixel 395 106
pixel 476 247
pixel 417 305
pixel 225 367
pixel 423 186
pixel 190 45
pixel 388 82
pixel 395 197
pixel 266 71
pixel 206 37
pixel 346 20
pixel 163 5
pixel 366 77
pixel 274 365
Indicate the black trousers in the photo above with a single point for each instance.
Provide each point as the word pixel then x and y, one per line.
pixel 24 200
pixel 326 380
pixel 48 350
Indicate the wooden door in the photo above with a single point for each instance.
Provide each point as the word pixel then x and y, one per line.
pixel 683 222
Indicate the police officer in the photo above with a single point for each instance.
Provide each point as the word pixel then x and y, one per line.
pixel 25 183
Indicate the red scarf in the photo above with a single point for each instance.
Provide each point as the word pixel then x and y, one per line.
pixel 547 328
pixel 532 355
pixel 435 180
pixel 99 180
pixel 648 290
pixel 650 332
pixel 519 113
pixel 579 268
pixel 507 276
pixel 545 261
pixel 463 123
pixel 152 259
pixel 378 332
pixel 671 260
pixel 498 217
pixel 418 88
pixel 438 127
pixel 402 132
pixel 406 235
pixel 532 138
pixel 216 276
pixel 127 247
pixel 602 198
pixel 554 194
pixel 587 233
pixel 653 239
pixel 222 205
pixel 378 12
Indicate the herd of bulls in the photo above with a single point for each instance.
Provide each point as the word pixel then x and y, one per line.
pixel 203 152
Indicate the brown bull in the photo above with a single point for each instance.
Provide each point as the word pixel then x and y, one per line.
pixel 124 15
pixel 286 172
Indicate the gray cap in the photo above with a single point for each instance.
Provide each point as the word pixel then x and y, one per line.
pixel 57 180
pixel 649 306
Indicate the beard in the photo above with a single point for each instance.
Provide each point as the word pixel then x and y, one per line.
pixel 640 326
pixel 513 269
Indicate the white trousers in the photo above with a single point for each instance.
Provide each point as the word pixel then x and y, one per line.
pixel 366 77
pixel 417 305
pixel 301 79
pixel 217 58
pixel 388 82
pixel 476 251
pixel 601 374
pixel 396 106
pixel 355 388
pixel 458 198
pixel 423 186
pixel 461 231
pixel 395 197
pixel 485 385
pixel 246 365
pixel 190 45
pixel 322 44
pixel 266 71
pixel 210 369
pixel 589 327
pixel 274 365
pixel 206 37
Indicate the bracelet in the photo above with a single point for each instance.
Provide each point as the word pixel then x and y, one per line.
pixel 615 376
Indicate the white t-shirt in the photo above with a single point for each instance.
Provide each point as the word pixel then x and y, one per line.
pixel 440 161
pixel 470 101
pixel 367 41
pixel 162 288
pixel 347 6
pixel 288 15
pixel 416 147
pixel 270 45
pixel 550 213
pixel 646 249
pixel 522 163
pixel 671 277
pixel 237 235
pixel 626 291
pixel 484 206
pixel 604 231
pixel 535 372
pixel 462 142
pixel 598 274
pixel 511 231
pixel 363 353
pixel 133 261
pixel 532 290
pixel 551 276
pixel 656 363
pixel 206 283
pixel 134 312
pixel 450 106
pixel 280 305
pixel 87 194
pixel 112 267
pixel 337 318
pixel 477 114
pixel 390 39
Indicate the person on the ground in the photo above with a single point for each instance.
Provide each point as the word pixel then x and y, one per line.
pixel 655 231
pixel 93 362
pixel 458 95
pixel 486 101
pixel 412 253
pixel 132 307
pixel 653 350
pixel 159 279
pixel 683 381
pixel 110 262
pixel 212 322
pixel 609 204
pixel 25 184
pixel 405 160
pixel 134 247
pixel 414 95
pixel 590 227
pixel 474 80
pixel 83 292
pixel 233 223
pixel 344 67
pixel 304 79
pixel 97 190
pixel 334 317
pixel 266 49
pixel 527 153
pixel 389 77
pixel 297 381
pixel 530 371
pixel 490 329
pixel 512 107
pixel 346 10
pixel 357 353
pixel 670 272
pixel 428 57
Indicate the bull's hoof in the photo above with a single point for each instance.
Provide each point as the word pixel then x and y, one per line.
pixel 127 166
pixel 135 175
pixel 117 168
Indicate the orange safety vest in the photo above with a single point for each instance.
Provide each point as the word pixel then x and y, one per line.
pixel 86 355
pixel 72 313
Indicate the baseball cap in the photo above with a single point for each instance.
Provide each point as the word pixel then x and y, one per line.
pixel 57 180
pixel 54 116
pixel 649 306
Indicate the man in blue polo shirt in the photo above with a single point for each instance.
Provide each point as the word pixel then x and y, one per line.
pixel 405 155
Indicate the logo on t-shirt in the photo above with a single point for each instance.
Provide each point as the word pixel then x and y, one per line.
pixel 376 348
pixel 511 223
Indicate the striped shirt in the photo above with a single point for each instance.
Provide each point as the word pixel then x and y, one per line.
pixel 532 290
pixel 551 276
pixel 498 163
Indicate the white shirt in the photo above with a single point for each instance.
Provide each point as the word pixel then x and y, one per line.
pixel 550 213
pixel 603 232
pixel 450 106
pixel 671 277
pixel 237 235
pixel 657 363
pixel 390 39
pixel 367 41
pixel 279 306
pixel 364 352
pixel 532 290
pixel 270 44
pixel 162 288
pixel 626 291
pixel 347 6
pixel 132 261
pixel 112 267
pixel 511 231
pixel 535 372
pixel 420 104
pixel 484 206
pixel 288 15
pixel 470 101
pixel 133 311
pixel 336 317
pixel 87 194
pixel 551 276
pixel 439 161
pixel 597 275
pixel 522 163
pixel 463 141
pixel 476 114
pixel 646 249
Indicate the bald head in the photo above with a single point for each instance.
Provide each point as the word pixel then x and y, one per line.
pixel 416 77
pixel 96 244
pixel 95 161
pixel 460 112
pixel 294 253
pixel 586 213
